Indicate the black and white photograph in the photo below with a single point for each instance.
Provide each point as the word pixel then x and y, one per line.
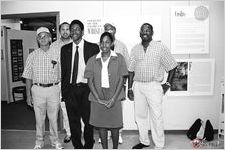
pixel 100 74
pixel 180 80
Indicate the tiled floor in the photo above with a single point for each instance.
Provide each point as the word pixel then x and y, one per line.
pixel 14 139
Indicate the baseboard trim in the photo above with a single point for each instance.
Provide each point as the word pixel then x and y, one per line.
pixel 165 131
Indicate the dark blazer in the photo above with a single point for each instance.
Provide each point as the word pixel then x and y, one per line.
pixel 90 49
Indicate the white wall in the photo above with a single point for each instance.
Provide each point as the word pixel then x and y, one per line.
pixel 12 23
pixel 179 112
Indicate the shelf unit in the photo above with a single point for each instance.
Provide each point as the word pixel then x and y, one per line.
pixel 221 117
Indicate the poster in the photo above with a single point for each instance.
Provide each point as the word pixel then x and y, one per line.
pixel 193 77
pixel 189 30
pixel 127 28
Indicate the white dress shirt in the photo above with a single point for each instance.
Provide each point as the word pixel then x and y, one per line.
pixel 81 64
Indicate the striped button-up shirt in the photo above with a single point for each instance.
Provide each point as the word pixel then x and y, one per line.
pixel 151 65
pixel 56 50
pixel 42 67
pixel 121 48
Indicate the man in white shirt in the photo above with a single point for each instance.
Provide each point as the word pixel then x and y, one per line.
pixel 64 39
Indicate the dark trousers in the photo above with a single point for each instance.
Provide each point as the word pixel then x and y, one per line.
pixel 78 106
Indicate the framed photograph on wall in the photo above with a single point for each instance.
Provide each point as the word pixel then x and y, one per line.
pixel 193 77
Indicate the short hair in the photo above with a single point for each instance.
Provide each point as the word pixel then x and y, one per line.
pixel 109 24
pixel 148 25
pixel 78 22
pixel 60 26
pixel 106 34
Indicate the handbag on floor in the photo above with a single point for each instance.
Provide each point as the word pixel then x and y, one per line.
pixel 209 132
pixel 201 130
pixel 193 130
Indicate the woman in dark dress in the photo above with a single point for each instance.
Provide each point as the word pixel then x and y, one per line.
pixel 105 73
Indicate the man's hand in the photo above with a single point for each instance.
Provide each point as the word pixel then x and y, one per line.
pixel 29 100
pixel 165 88
pixel 130 94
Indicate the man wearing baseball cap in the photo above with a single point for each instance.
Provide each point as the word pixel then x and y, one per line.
pixel 42 82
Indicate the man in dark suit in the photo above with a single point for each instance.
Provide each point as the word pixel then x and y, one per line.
pixel 75 90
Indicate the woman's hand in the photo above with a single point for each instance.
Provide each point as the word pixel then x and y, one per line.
pixel 101 102
pixel 110 103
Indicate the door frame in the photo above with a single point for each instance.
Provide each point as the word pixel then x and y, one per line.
pixel 33 15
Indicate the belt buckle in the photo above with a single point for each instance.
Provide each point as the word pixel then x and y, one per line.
pixel 78 84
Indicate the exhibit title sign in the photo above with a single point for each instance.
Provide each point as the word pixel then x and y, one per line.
pixel 189 30
pixel 127 28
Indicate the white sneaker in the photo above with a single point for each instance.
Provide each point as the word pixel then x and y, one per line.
pixel 99 140
pixel 156 147
pixel 57 146
pixel 38 147
pixel 120 139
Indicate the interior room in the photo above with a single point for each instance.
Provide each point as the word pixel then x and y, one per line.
pixel 192 30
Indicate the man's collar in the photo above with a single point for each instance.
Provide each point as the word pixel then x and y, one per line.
pixel 80 44
pixel 113 53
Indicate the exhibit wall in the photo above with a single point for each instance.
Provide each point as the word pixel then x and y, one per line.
pixel 179 111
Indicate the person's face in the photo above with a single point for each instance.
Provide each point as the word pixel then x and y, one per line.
pixel 146 33
pixel 76 33
pixel 111 30
pixel 105 44
pixel 44 39
pixel 65 31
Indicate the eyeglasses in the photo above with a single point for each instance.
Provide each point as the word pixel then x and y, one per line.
pixel 42 36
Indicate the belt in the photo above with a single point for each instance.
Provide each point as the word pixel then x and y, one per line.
pixel 46 85
pixel 79 84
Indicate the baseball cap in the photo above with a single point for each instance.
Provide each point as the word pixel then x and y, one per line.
pixel 42 29
pixel 109 24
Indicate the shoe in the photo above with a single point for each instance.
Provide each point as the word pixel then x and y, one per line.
pixel 89 145
pixel 156 147
pixel 67 139
pixel 120 139
pixel 99 140
pixel 57 146
pixel 38 147
pixel 139 146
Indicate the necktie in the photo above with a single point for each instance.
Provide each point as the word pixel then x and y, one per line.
pixel 75 66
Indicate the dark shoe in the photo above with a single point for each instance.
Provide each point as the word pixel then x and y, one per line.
pixel 89 145
pixel 139 146
pixel 67 139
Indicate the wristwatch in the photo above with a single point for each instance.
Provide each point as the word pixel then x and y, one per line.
pixel 167 83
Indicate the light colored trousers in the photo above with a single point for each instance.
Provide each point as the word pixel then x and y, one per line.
pixel 46 100
pixel 66 125
pixel 148 97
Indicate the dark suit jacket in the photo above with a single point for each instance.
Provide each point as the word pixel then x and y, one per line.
pixel 90 49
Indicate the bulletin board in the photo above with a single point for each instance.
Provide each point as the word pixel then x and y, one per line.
pixel 16 46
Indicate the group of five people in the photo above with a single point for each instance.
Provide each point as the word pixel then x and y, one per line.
pixel 88 80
